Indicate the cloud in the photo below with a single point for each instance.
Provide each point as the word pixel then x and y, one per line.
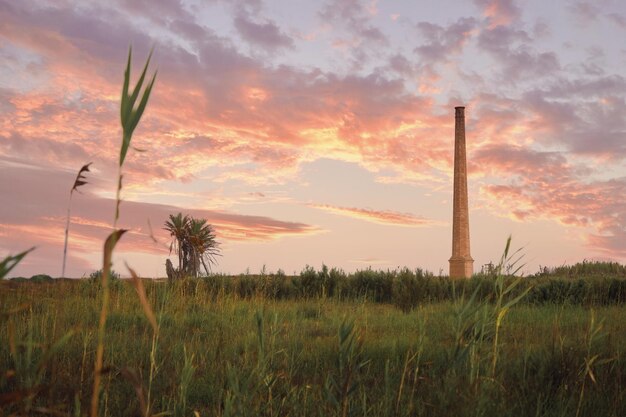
pixel 37 217
pixel 517 161
pixel 518 60
pixel 371 261
pixel 596 205
pixel 587 117
pixel 356 16
pixel 267 35
pixel 401 65
pixel 539 184
pixel 617 18
pixel 212 105
pixel 353 32
pixel 584 11
pixel 499 12
pixel 384 217
pixel 442 42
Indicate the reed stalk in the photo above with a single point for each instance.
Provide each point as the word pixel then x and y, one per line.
pixel 130 116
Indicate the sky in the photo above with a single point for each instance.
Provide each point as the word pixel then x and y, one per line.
pixel 315 132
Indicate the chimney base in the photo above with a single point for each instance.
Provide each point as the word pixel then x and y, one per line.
pixel 461 267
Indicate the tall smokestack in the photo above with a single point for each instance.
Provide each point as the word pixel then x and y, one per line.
pixel 461 262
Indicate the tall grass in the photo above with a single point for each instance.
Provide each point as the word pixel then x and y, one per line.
pixel 223 355
pixel 130 114
pixel 78 182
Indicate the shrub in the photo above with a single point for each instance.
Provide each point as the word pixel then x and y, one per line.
pixel 97 275
pixel 308 284
pixel 41 278
pixel 374 285
pixel 276 286
pixel 246 286
pixel 412 288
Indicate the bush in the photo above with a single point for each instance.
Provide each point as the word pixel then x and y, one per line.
pixel 585 269
pixel 373 285
pixel 276 286
pixel 246 286
pixel 97 275
pixel 412 288
pixel 315 284
pixel 406 289
pixel 95 280
pixel 41 278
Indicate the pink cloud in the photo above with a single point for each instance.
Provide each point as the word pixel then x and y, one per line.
pixel 37 218
pixel 385 217
pixel 442 42
pixel 545 185
pixel 499 12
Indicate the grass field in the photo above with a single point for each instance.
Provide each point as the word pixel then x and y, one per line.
pixel 221 355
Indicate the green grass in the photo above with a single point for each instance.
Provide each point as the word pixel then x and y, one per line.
pixel 223 355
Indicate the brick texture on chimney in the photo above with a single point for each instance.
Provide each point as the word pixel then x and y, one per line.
pixel 461 262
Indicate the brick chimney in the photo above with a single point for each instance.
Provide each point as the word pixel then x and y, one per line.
pixel 461 262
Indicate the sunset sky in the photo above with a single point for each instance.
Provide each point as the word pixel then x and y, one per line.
pixel 312 132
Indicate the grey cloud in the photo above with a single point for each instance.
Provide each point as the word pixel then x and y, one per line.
pixel 518 60
pixel 352 14
pixel 499 40
pixel 401 65
pixel 189 29
pixel 618 19
pixel 584 11
pixel 587 88
pixel 441 42
pixel 267 35
pixel 574 117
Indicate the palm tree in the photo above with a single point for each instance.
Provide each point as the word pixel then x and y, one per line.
pixel 194 242
pixel 177 226
pixel 203 246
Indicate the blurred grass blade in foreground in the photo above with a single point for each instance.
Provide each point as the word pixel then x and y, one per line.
pixel 11 262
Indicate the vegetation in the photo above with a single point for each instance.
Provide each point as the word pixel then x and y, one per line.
pixel 194 242
pixel 96 276
pixel 78 182
pixel 408 289
pixel 221 354
pixel 130 114
pixel 11 261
